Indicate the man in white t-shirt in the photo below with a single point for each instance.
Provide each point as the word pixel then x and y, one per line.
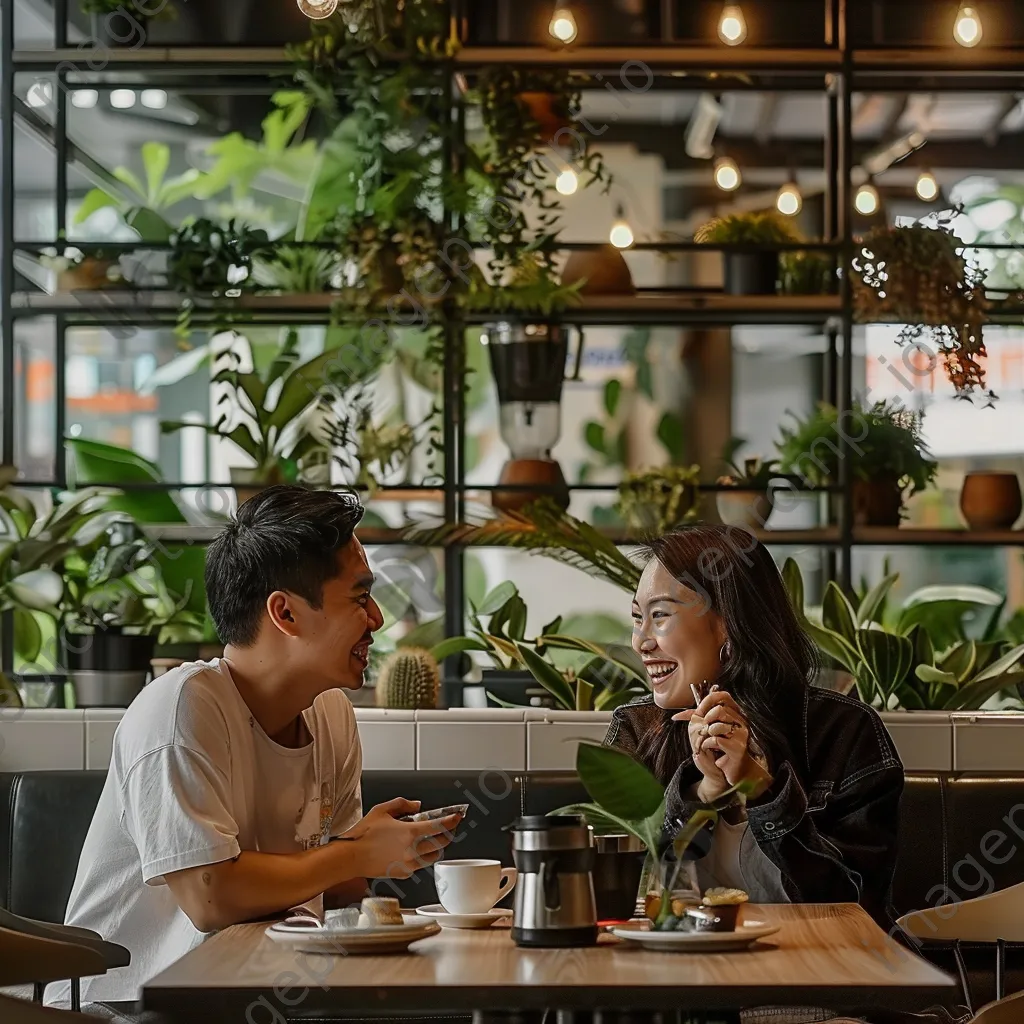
pixel 229 778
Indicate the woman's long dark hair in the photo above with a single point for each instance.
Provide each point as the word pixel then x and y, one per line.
pixel 770 659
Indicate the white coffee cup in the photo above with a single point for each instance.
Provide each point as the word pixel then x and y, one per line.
pixel 472 886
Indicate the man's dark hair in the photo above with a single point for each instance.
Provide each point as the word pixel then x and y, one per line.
pixel 284 538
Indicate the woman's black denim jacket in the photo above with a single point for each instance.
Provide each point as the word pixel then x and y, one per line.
pixel 829 821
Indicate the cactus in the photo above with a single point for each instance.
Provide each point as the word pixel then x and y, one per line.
pixel 409 679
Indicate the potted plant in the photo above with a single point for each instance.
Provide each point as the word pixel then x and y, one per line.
pixel 606 675
pixel 628 799
pixel 114 609
pixel 78 272
pixel 889 459
pixel 279 417
pixel 749 273
pixel 916 657
pixel 656 500
pixel 747 500
pixel 807 273
pixel 917 275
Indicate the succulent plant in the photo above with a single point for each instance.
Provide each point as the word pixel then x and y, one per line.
pixel 409 680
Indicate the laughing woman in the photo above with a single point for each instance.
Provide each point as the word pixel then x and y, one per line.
pixel 712 619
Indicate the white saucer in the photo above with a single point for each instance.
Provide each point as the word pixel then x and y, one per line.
pixel 437 913
pixel 385 938
pixel 697 942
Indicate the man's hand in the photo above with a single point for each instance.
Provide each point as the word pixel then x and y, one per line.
pixel 389 848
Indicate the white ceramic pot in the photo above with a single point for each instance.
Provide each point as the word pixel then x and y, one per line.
pixel 750 509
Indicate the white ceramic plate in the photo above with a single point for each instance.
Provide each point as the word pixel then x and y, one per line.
pixel 697 942
pixel 386 938
pixel 437 913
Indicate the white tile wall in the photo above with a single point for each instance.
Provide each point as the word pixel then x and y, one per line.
pixel 388 739
pixel 37 740
pixel 100 725
pixel 923 739
pixel 988 742
pixel 553 736
pixel 465 739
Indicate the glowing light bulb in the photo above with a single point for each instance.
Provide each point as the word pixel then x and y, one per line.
pixel 789 202
pixel 867 200
pixel 122 99
pixel 727 174
pixel 732 26
pixel 927 188
pixel 40 94
pixel 155 99
pixel 621 235
pixel 85 98
pixel 563 25
pixel 567 182
pixel 317 10
pixel 967 27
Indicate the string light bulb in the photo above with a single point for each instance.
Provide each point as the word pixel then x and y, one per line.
pixel 727 174
pixel 867 200
pixel 732 26
pixel 621 235
pixel 563 25
pixel 567 182
pixel 789 202
pixel 927 187
pixel 317 10
pixel 967 27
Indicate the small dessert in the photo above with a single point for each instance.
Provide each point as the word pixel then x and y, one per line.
pixel 718 910
pixel 380 910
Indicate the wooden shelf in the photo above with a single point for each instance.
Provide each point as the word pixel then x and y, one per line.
pixel 885 536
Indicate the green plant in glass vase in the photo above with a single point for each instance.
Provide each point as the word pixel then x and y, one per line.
pixel 626 797
pixel 889 459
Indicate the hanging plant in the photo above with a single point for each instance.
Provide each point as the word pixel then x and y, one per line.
pixel 917 275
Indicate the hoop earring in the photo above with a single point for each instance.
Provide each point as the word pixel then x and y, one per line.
pixel 725 653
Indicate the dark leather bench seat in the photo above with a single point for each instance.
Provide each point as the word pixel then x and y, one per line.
pixel 950 845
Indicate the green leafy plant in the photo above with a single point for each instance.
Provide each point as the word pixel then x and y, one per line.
pixel 754 474
pixel 607 675
pixel 888 446
pixel 543 529
pixel 760 227
pixel 143 205
pixel 807 273
pixel 656 500
pixel 115 584
pixel 276 417
pixel 626 797
pixel 908 661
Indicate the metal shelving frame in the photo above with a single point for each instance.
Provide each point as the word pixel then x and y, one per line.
pixel 835 68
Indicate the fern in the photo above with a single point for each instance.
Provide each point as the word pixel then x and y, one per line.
pixel 541 529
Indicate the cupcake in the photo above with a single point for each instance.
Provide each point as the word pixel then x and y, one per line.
pixel 718 910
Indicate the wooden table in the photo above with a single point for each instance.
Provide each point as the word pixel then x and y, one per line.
pixel 825 955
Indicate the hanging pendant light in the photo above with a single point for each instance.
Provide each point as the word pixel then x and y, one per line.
pixel 967 29
pixel 927 187
pixel 621 235
pixel 732 26
pixel 563 25
pixel 317 10
pixel 789 202
pixel 727 174
pixel 867 201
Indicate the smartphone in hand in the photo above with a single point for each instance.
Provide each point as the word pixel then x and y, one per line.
pixel 439 812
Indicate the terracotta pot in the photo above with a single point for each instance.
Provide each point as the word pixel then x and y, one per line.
pixel 603 271
pixel 877 502
pixel 991 501
pixel 88 276
pixel 544 474
pixel 750 509
pixel 543 109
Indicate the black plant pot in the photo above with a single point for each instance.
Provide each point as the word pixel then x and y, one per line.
pixel 109 669
pixel 617 877
pixel 754 273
